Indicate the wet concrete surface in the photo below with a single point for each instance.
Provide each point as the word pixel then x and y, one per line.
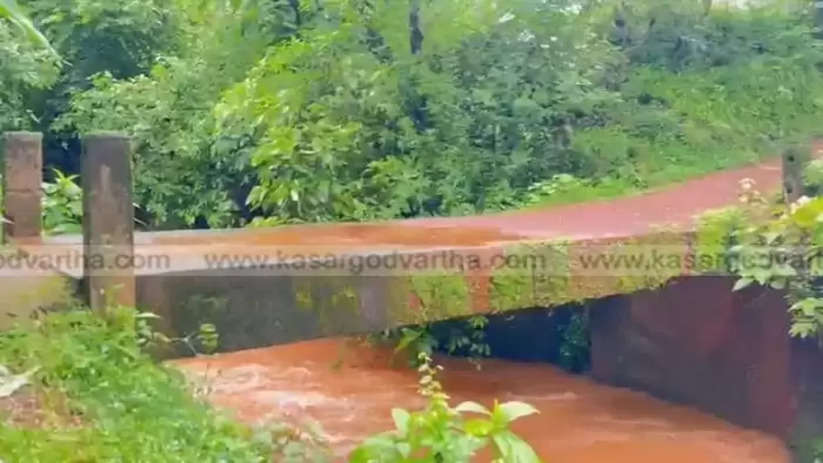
pixel 349 388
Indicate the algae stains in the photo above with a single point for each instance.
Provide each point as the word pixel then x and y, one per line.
pixel 441 296
pixel 202 308
pixel 333 301
pixel 667 255
pixel 522 275
pixel 402 306
pixel 550 274
pixel 22 297
pixel 530 275
pixel 510 290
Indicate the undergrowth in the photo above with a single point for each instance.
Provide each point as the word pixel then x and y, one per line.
pixel 463 338
pixel 129 407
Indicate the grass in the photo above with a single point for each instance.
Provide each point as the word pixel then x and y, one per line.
pixel 102 399
pixel 658 176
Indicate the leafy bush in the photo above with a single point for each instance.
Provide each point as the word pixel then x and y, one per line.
pixel 439 433
pixel 62 204
pixel 575 346
pixel 25 68
pixel 129 407
pixel 813 177
pixel 481 117
pixel 459 337
pixel 187 172
pixel 285 111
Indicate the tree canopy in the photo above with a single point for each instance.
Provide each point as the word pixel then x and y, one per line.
pixel 273 111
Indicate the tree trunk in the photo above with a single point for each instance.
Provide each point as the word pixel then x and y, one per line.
pixel 415 34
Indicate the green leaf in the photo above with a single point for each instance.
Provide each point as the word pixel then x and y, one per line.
pixel 514 410
pixel 472 407
pixel 806 215
pixel 401 420
pixel 479 427
pixel 11 11
pixel 513 449
pixel 403 448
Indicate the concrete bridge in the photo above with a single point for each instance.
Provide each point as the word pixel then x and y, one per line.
pixel 663 328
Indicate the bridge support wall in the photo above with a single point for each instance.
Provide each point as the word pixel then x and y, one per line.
pixel 698 343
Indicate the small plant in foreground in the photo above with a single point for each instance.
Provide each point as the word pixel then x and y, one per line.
pixel 440 433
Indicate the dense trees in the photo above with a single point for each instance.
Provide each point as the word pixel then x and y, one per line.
pixel 292 110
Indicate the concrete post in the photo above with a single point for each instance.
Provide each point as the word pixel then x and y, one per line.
pixel 108 221
pixel 22 185
pixel 795 160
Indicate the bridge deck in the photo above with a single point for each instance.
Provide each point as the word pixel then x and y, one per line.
pixel 262 305
pixel 673 208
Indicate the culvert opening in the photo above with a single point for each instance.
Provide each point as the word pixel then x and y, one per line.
pixel 559 336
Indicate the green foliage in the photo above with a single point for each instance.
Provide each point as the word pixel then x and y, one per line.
pixel 62 204
pixel 575 347
pixel 469 338
pixel 560 184
pixel 780 247
pixel 413 341
pixel 459 337
pixel 11 12
pixel 188 171
pixel 359 128
pixel 716 234
pixel 813 177
pixel 440 433
pixel 279 111
pixel 817 449
pixel 441 296
pixel 24 68
pixel 129 407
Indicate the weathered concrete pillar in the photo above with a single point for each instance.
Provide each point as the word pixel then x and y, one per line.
pixel 108 221
pixel 795 160
pixel 22 185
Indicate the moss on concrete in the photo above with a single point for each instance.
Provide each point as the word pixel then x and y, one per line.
pixel 441 295
pixel 334 301
pixel 21 297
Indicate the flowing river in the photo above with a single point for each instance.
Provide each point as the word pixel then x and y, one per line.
pixel 349 389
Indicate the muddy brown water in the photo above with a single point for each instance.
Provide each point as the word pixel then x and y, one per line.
pixel 350 388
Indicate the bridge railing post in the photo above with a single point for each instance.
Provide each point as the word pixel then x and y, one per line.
pixel 108 221
pixel 795 161
pixel 22 186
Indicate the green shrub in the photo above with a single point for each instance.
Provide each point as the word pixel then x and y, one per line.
pixel 128 407
pixel 440 433
pixel 62 204
pixel 324 113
